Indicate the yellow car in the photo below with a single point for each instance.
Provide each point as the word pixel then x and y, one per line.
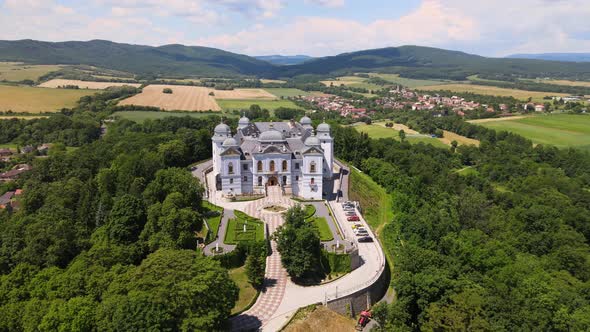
pixel 355 226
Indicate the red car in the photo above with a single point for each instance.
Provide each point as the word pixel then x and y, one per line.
pixel 353 218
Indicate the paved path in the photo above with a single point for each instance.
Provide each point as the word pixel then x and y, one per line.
pixel 345 178
pixel 276 276
pixel 227 215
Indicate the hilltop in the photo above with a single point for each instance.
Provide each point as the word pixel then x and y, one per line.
pixel 284 60
pixel 569 57
pixel 182 61
pixel 138 59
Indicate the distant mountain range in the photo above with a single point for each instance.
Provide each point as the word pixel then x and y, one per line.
pixel 180 60
pixel 284 60
pixel 569 57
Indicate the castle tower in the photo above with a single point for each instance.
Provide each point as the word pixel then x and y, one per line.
pixel 327 144
pixel 221 132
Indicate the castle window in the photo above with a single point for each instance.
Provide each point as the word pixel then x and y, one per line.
pixel 259 166
pixel 296 165
pixel 245 167
pixel 284 165
pixel 284 180
pixel 245 179
pixel 312 167
pixel 230 168
pixel 272 165
pixel 260 180
pixel 231 181
pixel 312 181
pixel 297 178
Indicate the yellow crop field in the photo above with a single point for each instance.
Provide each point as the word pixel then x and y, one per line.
pixel 264 80
pixel 243 94
pixel 492 90
pixel 56 83
pixel 565 82
pixel 15 72
pixel 185 98
pixel 37 100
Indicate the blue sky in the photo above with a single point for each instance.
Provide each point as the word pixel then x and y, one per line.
pixel 314 27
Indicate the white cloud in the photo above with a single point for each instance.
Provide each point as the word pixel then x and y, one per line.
pixel 327 3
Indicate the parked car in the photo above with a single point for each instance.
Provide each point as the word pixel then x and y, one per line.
pixel 365 239
pixel 362 234
pixel 355 226
pixel 353 218
pixel 360 230
pixel 350 213
pixel 348 208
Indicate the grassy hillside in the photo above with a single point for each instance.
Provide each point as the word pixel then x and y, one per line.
pixel 137 59
pixel 561 130
pixel 427 62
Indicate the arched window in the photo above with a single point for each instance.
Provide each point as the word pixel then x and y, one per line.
pixel 312 167
pixel 284 165
pixel 230 168
pixel 260 180
pixel 284 180
pixel 259 166
pixel 312 181
pixel 272 165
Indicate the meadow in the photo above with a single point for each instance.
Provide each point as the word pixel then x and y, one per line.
pixel 37 100
pixel 271 105
pixel 16 72
pixel 492 90
pixel 353 82
pixel 288 92
pixel 407 82
pixel 563 82
pixel 141 116
pixel 560 130
pixel 377 132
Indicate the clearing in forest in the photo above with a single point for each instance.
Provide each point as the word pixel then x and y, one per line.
pixel 185 98
pixel 536 96
pixel 58 82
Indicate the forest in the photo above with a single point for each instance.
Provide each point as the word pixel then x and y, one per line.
pixel 504 247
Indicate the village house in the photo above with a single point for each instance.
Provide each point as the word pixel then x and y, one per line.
pixel 14 173
pixel 9 199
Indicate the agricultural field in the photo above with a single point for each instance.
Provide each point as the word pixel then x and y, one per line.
pixel 15 72
pixel 353 82
pixel 183 98
pixel 264 81
pixel 243 94
pixel 271 105
pixel 377 132
pixel 407 82
pixel 56 83
pixel 564 82
pixel 37 100
pixel 141 116
pixel 560 130
pixel 289 92
pixel 492 90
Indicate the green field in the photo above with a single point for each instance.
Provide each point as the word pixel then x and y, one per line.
pixel 141 116
pixel 213 220
pixel 247 292
pixel 407 82
pixel 16 72
pixel 241 104
pixel 288 92
pixel 537 96
pixel 37 100
pixel 560 130
pixel 377 132
pixel 324 230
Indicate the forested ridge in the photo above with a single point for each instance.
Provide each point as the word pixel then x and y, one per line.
pixel 104 239
pixel 502 248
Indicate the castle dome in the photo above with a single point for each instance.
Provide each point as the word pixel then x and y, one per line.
pixel 244 121
pixel 222 129
pixel 323 127
pixel 305 121
pixel 312 141
pixel 271 136
pixel 229 142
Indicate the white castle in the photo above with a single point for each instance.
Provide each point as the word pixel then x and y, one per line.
pixel 262 154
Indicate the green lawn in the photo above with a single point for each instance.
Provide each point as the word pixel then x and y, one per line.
pixel 235 230
pixel 247 292
pixel 560 130
pixel 212 221
pixel 141 116
pixel 241 104
pixel 322 225
pixel 377 132
pixel 288 92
